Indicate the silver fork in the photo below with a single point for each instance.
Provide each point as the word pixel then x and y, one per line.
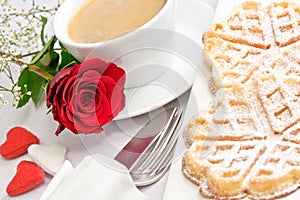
pixel 156 159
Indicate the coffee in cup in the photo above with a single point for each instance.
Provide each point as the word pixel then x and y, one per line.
pixel 101 20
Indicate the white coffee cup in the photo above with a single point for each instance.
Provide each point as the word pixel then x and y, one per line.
pixel 141 52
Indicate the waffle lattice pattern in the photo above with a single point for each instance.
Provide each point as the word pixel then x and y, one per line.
pixel 247 143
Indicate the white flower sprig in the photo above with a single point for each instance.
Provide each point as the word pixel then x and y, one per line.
pixel 20 40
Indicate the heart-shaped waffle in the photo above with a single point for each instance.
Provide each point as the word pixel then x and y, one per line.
pixel 249 145
pixel 248 142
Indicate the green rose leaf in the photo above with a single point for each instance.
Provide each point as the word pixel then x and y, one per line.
pixel 32 86
pixel 44 21
pixel 67 59
pixel 38 87
pixel 25 83
pixel 43 67
pixel 48 48
pixel 49 61
pixel 54 60
pixel 46 59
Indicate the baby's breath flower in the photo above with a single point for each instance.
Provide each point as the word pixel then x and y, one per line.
pixel 17 93
pixel 3 102
pixel 19 37
pixel 17 88
pixel 24 66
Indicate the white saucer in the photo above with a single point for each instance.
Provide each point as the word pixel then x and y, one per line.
pixel 193 17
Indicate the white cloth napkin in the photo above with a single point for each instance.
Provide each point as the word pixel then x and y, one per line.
pixel 96 178
pixel 64 171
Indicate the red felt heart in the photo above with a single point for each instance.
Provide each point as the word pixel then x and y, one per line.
pixel 28 176
pixel 18 140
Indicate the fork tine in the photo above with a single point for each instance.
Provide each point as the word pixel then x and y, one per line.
pixel 164 166
pixel 155 156
pixel 160 140
pixel 168 154
pixel 155 143
pixel 153 165
pixel 169 145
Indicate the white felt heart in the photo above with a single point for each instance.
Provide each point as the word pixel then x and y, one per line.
pixel 49 157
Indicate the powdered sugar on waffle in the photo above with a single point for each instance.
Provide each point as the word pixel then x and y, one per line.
pixel 248 142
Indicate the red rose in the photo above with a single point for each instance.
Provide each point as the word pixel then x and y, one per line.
pixel 87 96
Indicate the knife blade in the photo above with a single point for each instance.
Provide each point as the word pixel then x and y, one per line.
pixel 145 137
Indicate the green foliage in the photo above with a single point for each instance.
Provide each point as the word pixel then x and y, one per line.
pixel 47 49
pixel 34 79
pixel 25 83
pixel 32 86
pixel 22 25
pixel 67 59
pixel 44 21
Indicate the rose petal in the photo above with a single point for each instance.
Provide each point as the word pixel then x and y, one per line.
pixel 83 97
pixel 65 120
pixel 86 102
pixel 86 128
pixel 115 95
pixel 68 91
pixel 59 129
pixel 105 115
pixel 116 73
pixel 63 74
pixel 94 64
pixel 117 101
